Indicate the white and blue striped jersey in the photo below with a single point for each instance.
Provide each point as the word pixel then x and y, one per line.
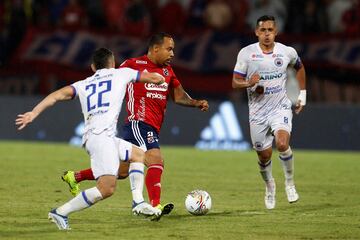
pixel 101 97
pixel 273 75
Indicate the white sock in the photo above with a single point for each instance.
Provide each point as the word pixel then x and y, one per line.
pixel 266 170
pixel 287 162
pixel 136 176
pixel 83 200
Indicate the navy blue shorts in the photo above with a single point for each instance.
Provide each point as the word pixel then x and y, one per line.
pixel 141 134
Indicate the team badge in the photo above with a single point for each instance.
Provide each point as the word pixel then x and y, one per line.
pixel 150 137
pixel 166 72
pixel 278 62
pixel 258 145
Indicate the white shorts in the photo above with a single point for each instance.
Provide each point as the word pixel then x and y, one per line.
pixel 262 134
pixel 106 152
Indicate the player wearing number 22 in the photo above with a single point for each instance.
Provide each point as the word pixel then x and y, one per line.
pixel 261 69
pixel 101 96
pixel 146 106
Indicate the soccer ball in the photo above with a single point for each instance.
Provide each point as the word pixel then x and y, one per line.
pixel 198 202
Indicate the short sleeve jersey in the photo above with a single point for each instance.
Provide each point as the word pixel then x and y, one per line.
pixel 146 101
pixel 101 97
pixel 273 75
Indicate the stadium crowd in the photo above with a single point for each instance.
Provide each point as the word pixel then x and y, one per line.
pixel 141 18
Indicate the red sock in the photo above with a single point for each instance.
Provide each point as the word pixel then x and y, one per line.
pixel 153 183
pixel 85 174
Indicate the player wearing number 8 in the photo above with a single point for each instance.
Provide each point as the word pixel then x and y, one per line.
pixel 101 96
pixel 261 70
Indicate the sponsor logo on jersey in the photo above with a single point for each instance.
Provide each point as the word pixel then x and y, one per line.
pixel 141 62
pixel 277 55
pixel 254 55
pixel 166 72
pixel 154 87
pixel 155 95
pixel 273 90
pixel 278 62
pixel 271 76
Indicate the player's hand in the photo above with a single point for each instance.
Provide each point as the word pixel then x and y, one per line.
pixel 23 120
pixel 298 107
pixel 301 102
pixel 203 105
pixel 254 79
pixel 161 78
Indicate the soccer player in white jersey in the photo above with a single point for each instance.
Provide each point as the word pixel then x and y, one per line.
pixel 101 97
pixel 261 70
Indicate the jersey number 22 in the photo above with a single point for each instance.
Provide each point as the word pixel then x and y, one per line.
pixel 97 89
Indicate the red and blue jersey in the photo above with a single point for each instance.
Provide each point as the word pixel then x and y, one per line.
pixel 146 102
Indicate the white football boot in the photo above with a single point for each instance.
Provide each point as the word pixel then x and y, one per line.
pixel 145 209
pixel 60 220
pixel 291 193
pixel 270 192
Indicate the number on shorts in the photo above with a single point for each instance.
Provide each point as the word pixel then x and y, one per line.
pixel 286 120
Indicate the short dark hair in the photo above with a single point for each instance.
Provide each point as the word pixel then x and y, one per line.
pixel 264 18
pixel 158 39
pixel 100 58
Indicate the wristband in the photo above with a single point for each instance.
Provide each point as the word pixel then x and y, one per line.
pixel 302 97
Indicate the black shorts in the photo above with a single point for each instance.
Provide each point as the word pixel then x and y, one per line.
pixel 141 134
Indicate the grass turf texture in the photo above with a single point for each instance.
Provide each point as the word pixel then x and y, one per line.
pixel 328 184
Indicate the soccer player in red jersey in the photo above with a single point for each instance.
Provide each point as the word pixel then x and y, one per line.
pixel 146 106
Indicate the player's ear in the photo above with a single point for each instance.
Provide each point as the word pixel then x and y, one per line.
pixel 93 67
pixel 112 62
pixel 256 31
pixel 156 48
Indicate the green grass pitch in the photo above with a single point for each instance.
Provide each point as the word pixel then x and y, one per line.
pixel 328 184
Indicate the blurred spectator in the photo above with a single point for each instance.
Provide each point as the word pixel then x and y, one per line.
pixel 196 14
pixel 335 11
pixel 351 19
pixel 73 17
pixel 2 33
pixel 307 16
pixel 56 7
pixel 153 7
pixel 218 15
pixel 275 8
pixel 171 18
pixel 95 13
pixel 41 16
pixel 240 9
pixel 114 12
pixel 2 15
pixel 137 21
pixel 15 25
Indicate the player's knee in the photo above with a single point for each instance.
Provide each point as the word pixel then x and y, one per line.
pixel 123 175
pixel 153 156
pixel 264 156
pixel 137 155
pixel 282 146
pixel 106 186
pixel 108 191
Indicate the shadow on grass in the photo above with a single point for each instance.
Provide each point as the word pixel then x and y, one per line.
pixel 235 213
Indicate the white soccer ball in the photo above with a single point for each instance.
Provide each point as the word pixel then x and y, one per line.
pixel 198 202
